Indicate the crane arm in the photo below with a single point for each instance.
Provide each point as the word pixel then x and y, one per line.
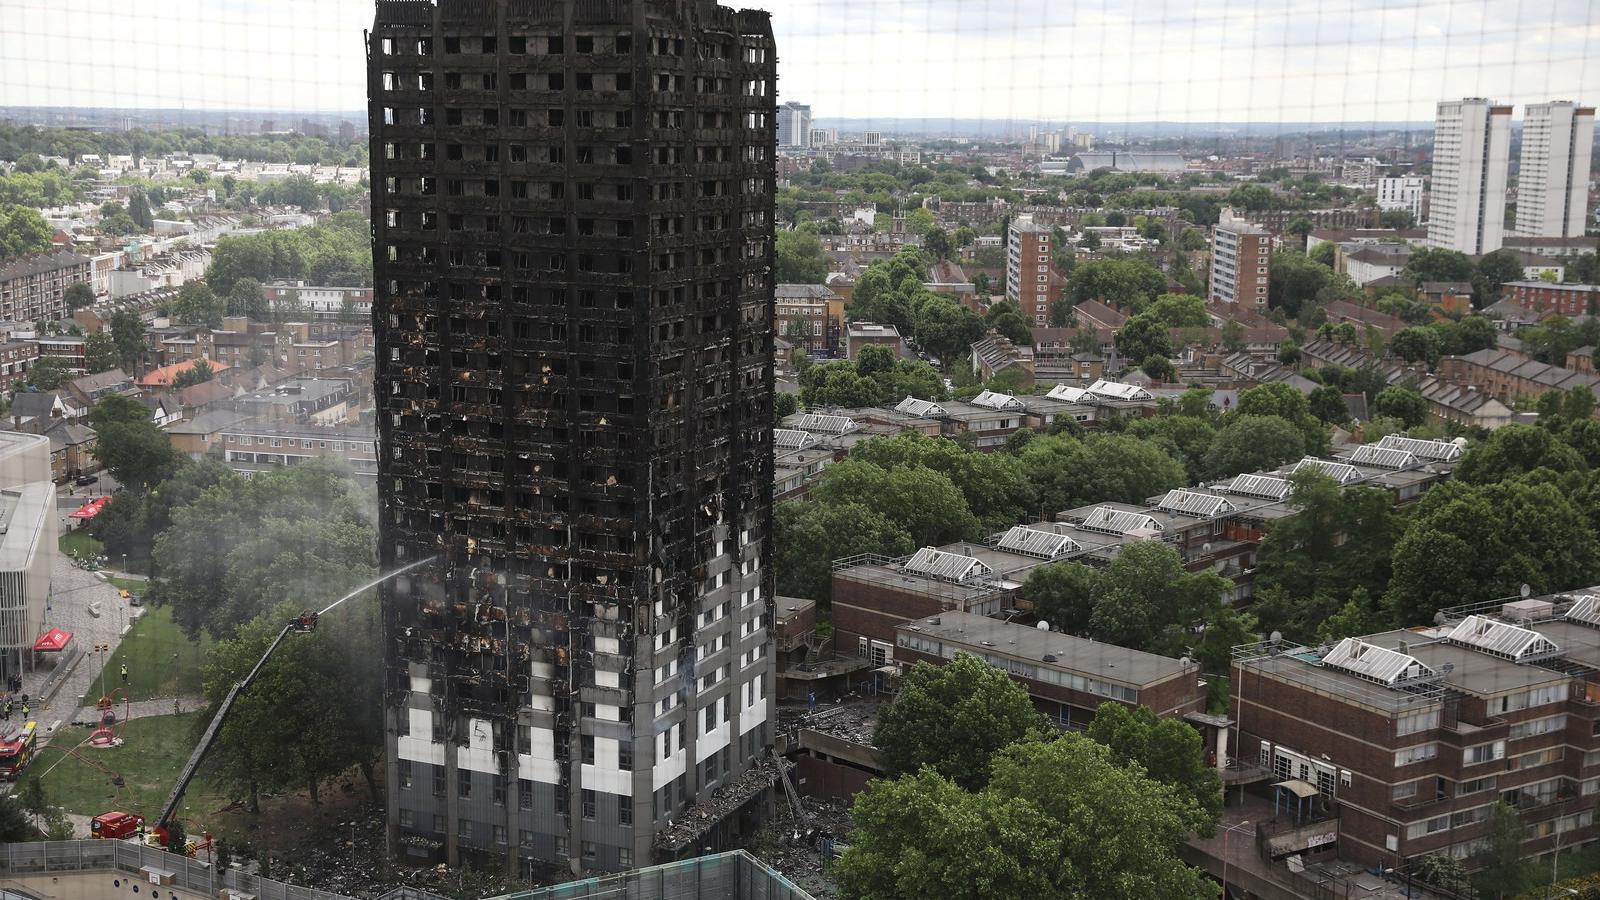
pixel 210 736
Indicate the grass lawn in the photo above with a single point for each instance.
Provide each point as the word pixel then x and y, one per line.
pixel 154 750
pixel 79 543
pixel 136 585
pixel 162 661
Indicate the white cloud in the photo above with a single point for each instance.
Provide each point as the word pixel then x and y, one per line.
pixel 1088 60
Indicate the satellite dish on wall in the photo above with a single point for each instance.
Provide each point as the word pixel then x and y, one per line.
pixel 1275 637
pixel 1526 590
pixel 1439 617
pixel 1043 625
pixel 1205 548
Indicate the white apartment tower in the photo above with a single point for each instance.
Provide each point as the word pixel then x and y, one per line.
pixel 1471 153
pixel 1401 192
pixel 1553 185
pixel 794 125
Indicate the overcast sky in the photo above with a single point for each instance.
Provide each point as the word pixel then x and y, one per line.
pixel 1061 60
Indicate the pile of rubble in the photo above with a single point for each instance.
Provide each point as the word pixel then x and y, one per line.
pixel 700 818
pixel 801 853
pixel 853 720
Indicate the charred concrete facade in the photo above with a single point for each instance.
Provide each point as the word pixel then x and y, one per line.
pixel 572 229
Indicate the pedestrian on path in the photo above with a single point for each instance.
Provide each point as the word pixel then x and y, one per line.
pixel 7 712
pixel 24 710
pixel 124 673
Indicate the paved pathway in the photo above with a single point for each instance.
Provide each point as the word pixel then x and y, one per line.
pixel 143 709
pixel 83 603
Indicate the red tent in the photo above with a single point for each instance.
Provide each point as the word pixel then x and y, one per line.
pixel 91 509
pixel 52 640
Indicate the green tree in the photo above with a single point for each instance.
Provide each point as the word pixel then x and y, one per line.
pixel 139 211
pixel 1127 283
pixel 1358 616
pixel 14 827
pixel 200 373
pixel 1185 437
pixel 923 502
pixel 33 799
pixel 1285 401
pixel 1180 311
pixel 1295 280
pixel 1491 273
pixel 953 719
pixel 1142 337
pixel 1233 337
pixel 1458 544
pixel 289 730
pixel 127 331
pixel 937 243
pixel 784 405
pixel 946 329
pixel 49 373
pixel 1438 264
pixel 1006 318
pixel 1337 542
pixel 1400 219
pixel 1327 404
pixel 1513 451
pixel 1145 600
pixel 1058 820
pixel 22 231
pixel 1503 870
pixel 1254 444
pixel 1416 345
pixel 920 222
pixel 800 258
pixel 1063 594
pixel 78 296
pixel 197 304
pixel 1169 750
pixel 811 535
pixel 1252 197
pixel 242 547
pixel 245 298
pixel 137 454
pixel 115 409
pixel 995 486
pixel 1068 472
pixel 1401 403
pixel 1159 368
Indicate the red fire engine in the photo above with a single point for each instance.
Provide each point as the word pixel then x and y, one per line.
pixel 16 750
pixel 116 825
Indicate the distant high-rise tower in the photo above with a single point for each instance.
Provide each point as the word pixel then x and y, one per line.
pixel 794 125
pixel 1241 262
pixel 572 208
pixel 1553 179
pixel 1467 197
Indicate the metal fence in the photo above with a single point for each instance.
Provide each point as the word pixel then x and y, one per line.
pixel 191 874
pixel 724 876
pixel 735 875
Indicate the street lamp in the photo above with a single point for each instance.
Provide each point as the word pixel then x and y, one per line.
pixel 102 649
pixel 1225 831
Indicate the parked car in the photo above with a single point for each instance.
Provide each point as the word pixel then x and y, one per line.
pixel 86 479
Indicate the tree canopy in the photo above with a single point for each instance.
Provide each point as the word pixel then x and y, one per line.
pixel 243 547
pixel 1057 820
pixel 800 258
pixel 953 719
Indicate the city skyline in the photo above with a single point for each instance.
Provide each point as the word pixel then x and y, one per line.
pixel 1025 60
